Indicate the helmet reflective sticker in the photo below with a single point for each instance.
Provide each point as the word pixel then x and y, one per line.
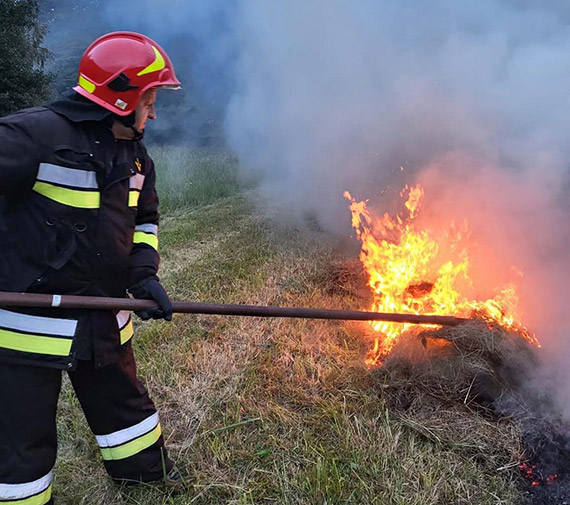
pixel 122 105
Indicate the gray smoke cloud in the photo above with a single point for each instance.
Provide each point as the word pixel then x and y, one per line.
pixel 472 99
pixel 335 95
pixel 469 98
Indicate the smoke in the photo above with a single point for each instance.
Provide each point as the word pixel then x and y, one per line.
pixel 199 37
pixel 340 95
pixel 472 99
pixel 469 98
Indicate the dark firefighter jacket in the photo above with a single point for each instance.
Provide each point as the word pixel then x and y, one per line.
pixel 78 215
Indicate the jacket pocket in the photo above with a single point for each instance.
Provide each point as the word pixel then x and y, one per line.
pixel 74 157
pixel 63 245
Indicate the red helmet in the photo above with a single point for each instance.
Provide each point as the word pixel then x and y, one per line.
pixel 119 67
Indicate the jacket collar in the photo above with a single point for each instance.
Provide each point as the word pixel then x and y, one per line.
pixel 78 109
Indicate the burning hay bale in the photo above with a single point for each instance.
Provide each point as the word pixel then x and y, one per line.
pixel 415 269
pixel 423 265
pixel 433 378
pixel 472 362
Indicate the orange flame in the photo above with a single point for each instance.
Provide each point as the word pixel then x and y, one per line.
pixel 411 270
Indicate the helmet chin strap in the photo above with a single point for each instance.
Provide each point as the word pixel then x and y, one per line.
pixel 129 122
pixel 138 134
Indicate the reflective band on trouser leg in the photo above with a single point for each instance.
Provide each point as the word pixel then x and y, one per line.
pixel 40 335
pixel 130 441
pixel 37 492
pixel 125 324
pixel 70 197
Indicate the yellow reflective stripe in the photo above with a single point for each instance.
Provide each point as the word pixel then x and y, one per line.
pixel 141 237
pixel 156 65
pixel 38 499
pixel 86 84
pixel 127 332
pixel 38 344
pixel 66 196
pixel 133 447
pixel 129 433
pixel 134 198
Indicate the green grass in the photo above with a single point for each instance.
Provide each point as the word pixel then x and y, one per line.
pixel 191 177
pixel 272 410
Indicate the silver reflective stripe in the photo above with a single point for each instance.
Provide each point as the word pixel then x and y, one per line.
pixel 123 318
pixel 136 181
pixel 147 228
pixel 67 176
pixel 36 324
pixel 128 434
pixel 25 490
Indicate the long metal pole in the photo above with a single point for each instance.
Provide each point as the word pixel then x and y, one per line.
pixel 8 299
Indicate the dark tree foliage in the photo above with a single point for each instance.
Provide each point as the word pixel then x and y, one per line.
pixel 23 81
pixel 72 26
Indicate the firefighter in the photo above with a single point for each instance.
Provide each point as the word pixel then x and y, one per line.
pixel 78 216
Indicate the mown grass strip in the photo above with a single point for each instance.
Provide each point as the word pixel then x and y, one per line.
pixel 332 432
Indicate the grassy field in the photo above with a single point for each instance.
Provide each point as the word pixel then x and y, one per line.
pixel 282 411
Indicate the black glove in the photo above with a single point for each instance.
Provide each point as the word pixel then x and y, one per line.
pixel 151 289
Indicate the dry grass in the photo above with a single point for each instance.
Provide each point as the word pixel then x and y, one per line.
pixel 284 411
pixel 455 377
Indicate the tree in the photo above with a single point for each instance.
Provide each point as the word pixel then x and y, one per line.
pixel 72 26
pixel 23 81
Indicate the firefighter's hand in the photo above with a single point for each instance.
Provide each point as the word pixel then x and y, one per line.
pixel 151 289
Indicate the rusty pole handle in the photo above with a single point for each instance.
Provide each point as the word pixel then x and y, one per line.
pixel 8 299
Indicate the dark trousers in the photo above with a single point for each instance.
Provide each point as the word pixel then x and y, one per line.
pixel 117 407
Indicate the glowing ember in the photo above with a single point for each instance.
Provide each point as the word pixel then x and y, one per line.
pixel 531 473
pixel 417 271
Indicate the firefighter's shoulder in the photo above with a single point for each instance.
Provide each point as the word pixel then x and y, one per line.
pixel 35 119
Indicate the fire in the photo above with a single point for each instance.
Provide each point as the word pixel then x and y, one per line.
pixel 420 271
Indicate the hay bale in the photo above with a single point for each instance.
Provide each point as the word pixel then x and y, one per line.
pixel 473 362
pixel 438 379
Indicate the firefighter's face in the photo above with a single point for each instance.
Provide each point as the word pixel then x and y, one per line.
pixel 145 109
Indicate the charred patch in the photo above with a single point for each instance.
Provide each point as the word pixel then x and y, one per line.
pixel 546 471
